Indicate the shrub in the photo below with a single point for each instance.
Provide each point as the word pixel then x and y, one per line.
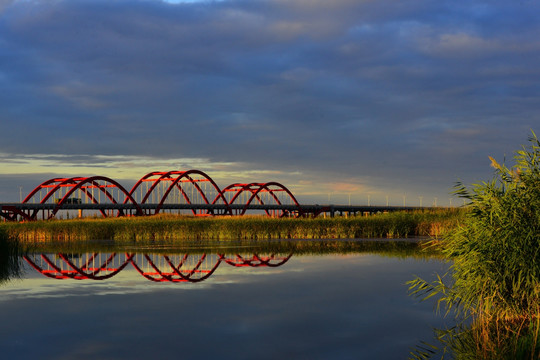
pixel 495 276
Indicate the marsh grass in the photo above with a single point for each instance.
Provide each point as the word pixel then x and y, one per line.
pixel 179 228
pixel 489 341
pixel 495 277
pixel 10 262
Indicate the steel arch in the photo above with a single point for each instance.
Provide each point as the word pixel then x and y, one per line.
pixel 256 189
pixel 54 184
pixel 186 186
pixel 78 183
pixel 176 178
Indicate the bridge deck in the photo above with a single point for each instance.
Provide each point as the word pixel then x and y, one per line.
pixel 330 208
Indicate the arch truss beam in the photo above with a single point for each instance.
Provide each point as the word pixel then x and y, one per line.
pixel 156 192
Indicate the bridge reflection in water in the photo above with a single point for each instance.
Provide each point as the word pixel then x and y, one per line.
pixel 154 267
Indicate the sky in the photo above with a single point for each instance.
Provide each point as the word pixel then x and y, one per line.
pixel 342 100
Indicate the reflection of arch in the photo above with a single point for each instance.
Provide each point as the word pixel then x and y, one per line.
pixel 87 271
pixel 177 181
pixel 178 272
pixel 258 260
pixel 255 191
pixel 154 267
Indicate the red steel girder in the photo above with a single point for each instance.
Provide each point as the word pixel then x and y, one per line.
pixel 171 180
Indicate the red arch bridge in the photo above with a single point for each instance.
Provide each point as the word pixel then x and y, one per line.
pixel 153 267
pixel 192 192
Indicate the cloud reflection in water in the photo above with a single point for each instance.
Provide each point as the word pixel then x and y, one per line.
pixel 312 307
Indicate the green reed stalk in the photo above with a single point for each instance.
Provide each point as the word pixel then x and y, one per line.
pixel 495 276
pixel 10 264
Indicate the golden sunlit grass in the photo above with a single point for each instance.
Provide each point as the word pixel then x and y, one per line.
pixel 178 228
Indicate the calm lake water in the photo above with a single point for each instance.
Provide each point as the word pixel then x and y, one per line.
pixel 217 304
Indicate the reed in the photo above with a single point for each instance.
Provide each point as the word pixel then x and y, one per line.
pixel 184 228
pixel 10 262
pixel 495 276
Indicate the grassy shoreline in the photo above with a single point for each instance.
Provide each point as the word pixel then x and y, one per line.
pixel 178 228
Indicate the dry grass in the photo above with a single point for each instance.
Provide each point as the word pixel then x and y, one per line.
pixel 177 228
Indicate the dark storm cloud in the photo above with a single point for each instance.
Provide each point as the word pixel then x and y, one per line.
pixel 421 90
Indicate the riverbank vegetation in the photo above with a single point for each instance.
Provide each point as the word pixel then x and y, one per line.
pixel 494 281
pixel 10 262
pixel 180 228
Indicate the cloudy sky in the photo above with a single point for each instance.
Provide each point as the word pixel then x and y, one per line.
pixel 360 98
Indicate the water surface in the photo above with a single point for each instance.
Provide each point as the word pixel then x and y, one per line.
pixel 302 306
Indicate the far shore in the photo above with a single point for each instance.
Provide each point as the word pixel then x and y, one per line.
pixel 431 223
